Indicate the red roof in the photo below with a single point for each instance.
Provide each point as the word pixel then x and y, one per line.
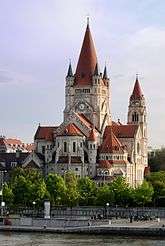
pixel 92 135
pixel 110 142
pixel 137 92
pixel 109 163
pixel 12 141
pixel 71 130
pixel 124 131
pixel 87 61
pixel 45 132
pixel 84 120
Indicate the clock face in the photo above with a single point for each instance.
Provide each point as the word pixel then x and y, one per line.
pixel 81 106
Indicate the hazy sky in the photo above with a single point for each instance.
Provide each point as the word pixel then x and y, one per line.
pixel 37 39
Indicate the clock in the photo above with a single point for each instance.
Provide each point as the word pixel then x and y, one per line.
pixel 81 106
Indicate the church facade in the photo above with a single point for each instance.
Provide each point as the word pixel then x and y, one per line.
pixel 88 142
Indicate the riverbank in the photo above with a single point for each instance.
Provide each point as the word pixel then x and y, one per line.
pixel 135 229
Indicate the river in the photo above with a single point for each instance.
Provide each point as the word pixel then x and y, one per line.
pixel 37 239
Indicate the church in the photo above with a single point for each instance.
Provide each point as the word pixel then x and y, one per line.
pixel 88 142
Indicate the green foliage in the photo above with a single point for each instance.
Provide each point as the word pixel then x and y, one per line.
pixel 87 191
pixel 28 185
pixel 8 195
pixel 143 194
pixel 105 195
pixel 157 179
pixel 72 194
pixel 56 188
pixel 123 192
pixel 157 162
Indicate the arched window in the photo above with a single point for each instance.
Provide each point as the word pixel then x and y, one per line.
pixel 135 117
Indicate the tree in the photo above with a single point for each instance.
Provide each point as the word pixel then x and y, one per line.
pixel 71 194
pixel 56 188
pixel 157 162
pixel 143 194
pixel 105 195
pixel 157 180
pixel 123 192
pixel 28 185
pixel 87 191
pixel 8 195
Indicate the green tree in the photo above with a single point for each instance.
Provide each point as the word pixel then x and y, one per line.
pixel 71 194
pixel 157 161
pixel 105 195
pixel 143 194
pixel 123 192
pixel 8 195
pixel 157 180
pixel 28 185
pixel 56 188
pixel 87 191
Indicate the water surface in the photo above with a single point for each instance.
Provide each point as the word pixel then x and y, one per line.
pixel 37 239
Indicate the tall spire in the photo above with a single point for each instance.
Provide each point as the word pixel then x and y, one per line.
pixel 137 92
pixel 87 60
pixel 96 72
pixel 105 73
pixel 70 73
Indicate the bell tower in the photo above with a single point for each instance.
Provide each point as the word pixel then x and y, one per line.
pixel 137 114
pixel 87 91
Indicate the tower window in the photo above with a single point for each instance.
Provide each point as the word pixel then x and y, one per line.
pixel 43 149
pixel 65 147
pixel 135 117
pixel 74 146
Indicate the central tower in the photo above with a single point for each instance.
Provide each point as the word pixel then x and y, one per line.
pixel 87 91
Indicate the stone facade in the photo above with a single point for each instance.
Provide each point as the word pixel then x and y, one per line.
pixel 88 142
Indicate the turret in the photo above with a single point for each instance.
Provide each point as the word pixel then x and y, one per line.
pixel 92 148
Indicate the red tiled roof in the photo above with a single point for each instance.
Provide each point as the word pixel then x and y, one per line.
pixel 137 92
pixel 87 61
pixel 73 159
pixel 109 163
pixel 11 141
pixel 71 130
pixel 110 142
pixel 84 120
pixel 45 132
pixel 92 135
pixel 124 131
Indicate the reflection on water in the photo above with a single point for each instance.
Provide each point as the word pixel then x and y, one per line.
pixel 37 239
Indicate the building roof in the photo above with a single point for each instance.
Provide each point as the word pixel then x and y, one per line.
pixel 92 136
pixel 9 158
pixel 110 142
pixel 45 133
pixel 87 61
pixel 109 163
pixel 73 159
pixel 71 130
pixel 137 92
pixel 124 131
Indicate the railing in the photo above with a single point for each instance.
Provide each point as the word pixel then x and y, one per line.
pixel 90 212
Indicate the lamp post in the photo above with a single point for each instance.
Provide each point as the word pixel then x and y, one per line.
pixel 34 203
pixel 1 191
pixel 107 205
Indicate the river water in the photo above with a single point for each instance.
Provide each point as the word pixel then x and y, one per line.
pixel 37 239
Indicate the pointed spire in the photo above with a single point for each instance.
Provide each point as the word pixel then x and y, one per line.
pixel 96 72
pixel 137 92
pixel 87 60
pixel 92 135
pixel 105 73
pixel 70 73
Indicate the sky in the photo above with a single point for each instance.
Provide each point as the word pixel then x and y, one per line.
pixel 38 38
